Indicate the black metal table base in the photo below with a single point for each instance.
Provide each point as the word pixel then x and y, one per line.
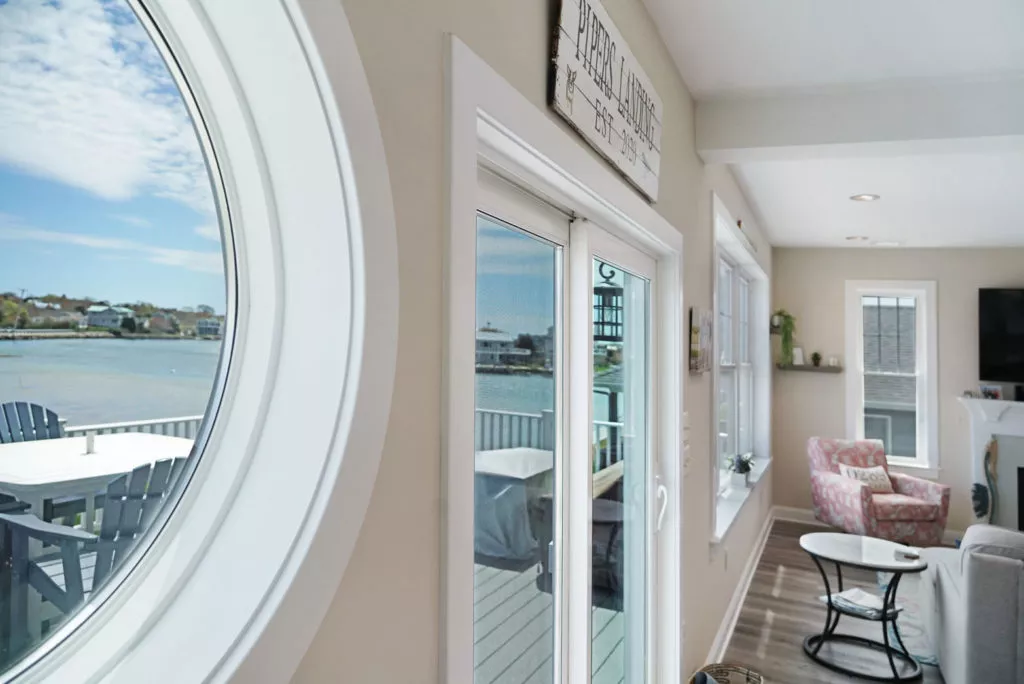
pixel 888 615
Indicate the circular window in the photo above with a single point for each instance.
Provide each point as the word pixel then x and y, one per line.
pixel 116 313
pixel 116 540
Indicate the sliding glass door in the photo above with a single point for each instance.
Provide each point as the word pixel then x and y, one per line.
pixel 563 481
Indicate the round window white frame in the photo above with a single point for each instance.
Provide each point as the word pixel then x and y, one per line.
pixel 237 583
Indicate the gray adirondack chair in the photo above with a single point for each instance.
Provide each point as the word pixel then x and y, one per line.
pixel 24 422
pixel 83 560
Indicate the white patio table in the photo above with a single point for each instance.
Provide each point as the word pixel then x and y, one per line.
pixel 53 468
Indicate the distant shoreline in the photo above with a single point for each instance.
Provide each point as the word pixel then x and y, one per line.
pixel 511 370
pixel 24 335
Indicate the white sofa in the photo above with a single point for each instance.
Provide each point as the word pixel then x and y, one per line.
pixel 973 603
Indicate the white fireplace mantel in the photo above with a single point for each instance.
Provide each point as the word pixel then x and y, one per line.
pixel 989 418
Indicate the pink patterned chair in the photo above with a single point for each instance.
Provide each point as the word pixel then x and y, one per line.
pixel 914 514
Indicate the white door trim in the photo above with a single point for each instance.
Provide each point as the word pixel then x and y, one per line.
pixel 489 123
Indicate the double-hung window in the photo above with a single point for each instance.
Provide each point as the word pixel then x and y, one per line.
pixel 735 367
pixel 892 391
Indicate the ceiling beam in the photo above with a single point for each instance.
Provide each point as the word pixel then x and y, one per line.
pixel 890 121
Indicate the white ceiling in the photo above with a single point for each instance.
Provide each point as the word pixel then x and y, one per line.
pixel 736 46
pixel 777 56
pixel 927 201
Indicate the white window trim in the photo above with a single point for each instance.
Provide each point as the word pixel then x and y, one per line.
pixel 491 124
pixel 926 463
pixel 291 176
pixel 734 247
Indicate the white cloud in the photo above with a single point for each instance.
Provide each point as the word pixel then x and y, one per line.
pixel 137 221
pixel 113 248
pixel 210 232
pixel 86 100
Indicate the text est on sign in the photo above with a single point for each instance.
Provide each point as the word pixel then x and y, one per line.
pixel 600 89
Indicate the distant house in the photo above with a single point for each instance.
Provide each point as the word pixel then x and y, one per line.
pixel 56 317
pixel 100 316
pixel 496 348
pixel 208 326
pixel 162 323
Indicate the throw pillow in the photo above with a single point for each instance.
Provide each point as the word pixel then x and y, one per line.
pixel 874 477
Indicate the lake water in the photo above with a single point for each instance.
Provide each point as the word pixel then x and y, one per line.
pixel 109 380
pixel 525 394
pixel 89 381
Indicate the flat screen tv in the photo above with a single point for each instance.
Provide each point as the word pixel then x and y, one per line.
pixel 1001 335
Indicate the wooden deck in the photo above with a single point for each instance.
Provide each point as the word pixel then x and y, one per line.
pixel 513 632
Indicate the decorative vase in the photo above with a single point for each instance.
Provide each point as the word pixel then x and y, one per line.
pixel 739 480
pixel 776 322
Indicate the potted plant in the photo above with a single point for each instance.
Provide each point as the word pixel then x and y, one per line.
pixel 816 359
pixel 786 328
pixel 740 466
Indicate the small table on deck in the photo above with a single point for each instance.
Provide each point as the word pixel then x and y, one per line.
pixel 873 554
pixel 508 481
pixel 52 468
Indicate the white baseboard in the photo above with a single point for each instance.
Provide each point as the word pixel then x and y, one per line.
pixel 732 612
pixel 800 515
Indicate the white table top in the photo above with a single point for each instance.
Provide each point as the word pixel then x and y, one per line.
pixel 865 552
pixel 520 463
pixel 57 467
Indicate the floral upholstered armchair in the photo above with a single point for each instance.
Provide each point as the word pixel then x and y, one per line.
pixel 914 512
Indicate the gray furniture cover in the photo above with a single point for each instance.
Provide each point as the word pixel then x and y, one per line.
pixel 973 606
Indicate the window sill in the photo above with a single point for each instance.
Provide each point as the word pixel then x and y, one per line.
pixel 910 467
pixel 731 502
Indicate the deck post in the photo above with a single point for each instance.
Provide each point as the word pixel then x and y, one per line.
pixel 547 429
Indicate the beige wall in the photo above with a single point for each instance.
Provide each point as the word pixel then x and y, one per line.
pixel 810 284
pixel 384 622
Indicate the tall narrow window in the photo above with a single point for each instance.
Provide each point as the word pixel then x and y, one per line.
pixel 891 342
pixel 744 372
pixel 737 364
pixel 727 404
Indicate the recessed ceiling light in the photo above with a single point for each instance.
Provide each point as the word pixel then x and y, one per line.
pixel 857 238
pixel 865 197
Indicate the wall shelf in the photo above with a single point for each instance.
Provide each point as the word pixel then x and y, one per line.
pixel 808 368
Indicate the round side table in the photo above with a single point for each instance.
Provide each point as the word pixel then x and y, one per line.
pixel 870 554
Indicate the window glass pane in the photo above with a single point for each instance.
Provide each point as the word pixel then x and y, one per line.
pixel 744 321
pixel 871 353
pixel 112 299
pixel 515 502
pixel 892 400
pixel 907 328
pixel 746 410
pixel 725 333
pixel 620 485
pixel 726 414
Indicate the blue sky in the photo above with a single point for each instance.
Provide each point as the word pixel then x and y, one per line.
pixel 103 187
pixel 515 280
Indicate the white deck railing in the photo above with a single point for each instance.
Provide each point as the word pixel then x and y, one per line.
pixel 510 429
pixel 187 426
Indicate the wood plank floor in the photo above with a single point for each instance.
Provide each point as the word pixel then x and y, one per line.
pixel 782 607
pixel 513 632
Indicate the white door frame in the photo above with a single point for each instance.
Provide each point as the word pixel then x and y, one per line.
pixel 491 124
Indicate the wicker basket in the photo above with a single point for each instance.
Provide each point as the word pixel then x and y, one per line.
pixel 731 674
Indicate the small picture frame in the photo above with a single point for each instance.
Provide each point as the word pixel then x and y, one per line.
pixel 991 391
pixel 798 356
pixel 701 340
